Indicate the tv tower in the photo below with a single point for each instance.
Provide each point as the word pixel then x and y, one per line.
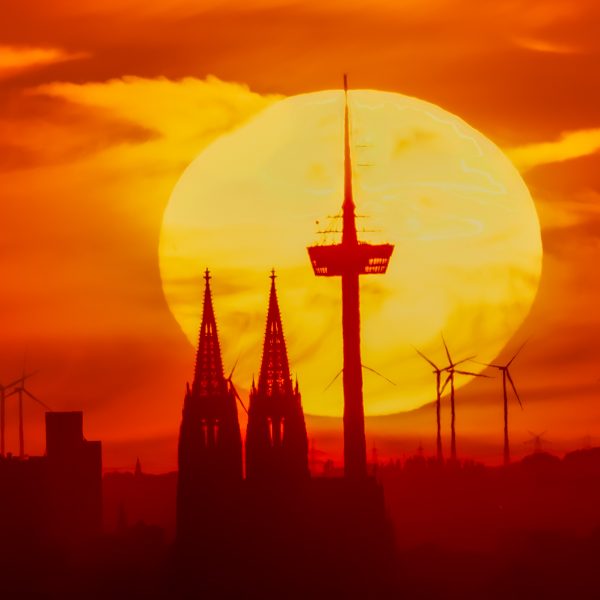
pixel 348 260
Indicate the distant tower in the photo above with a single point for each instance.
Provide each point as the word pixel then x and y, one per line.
pixel 276 440
pixel 210 444
pixel 75 476
pixel 348 260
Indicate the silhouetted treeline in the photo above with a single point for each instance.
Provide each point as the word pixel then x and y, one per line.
pixel 468 506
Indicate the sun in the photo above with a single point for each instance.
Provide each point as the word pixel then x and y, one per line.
pixel 467 256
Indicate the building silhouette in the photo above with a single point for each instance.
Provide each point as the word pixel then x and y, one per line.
pixel 210 443
pixel 57 498
pixel 276 440
pixel 75 478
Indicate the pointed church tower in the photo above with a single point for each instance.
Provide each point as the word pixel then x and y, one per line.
pixel 210 444
pixel 276 440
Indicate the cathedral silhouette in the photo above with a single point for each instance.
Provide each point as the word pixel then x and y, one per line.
pixel 210 443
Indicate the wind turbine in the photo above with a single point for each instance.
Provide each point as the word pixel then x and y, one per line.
pixel 504 369
pixel 235 392
pixel 3 390
pixel 3 396
pixel 452 370
pixel 20 390
pixel 537 439
pixel 438 403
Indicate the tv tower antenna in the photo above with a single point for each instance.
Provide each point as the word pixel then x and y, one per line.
pixel 348 260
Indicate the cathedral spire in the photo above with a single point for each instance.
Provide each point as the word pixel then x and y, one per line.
pixel 209 379
pixel 275 369
pixel 276 441
pixel 210 444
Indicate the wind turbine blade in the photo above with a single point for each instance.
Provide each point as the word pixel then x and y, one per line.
pixel 446 349
pixel 20 380
pixel 512 383
pixel 377 373
pixel 517 352
pixel 235 392
pixel 473 374
pixel 537 435
pixel 494 366
pixel 333 380
pixel 234 366
pixel 37 400
pixel 464 360
pixel 446 383
pixel 423 356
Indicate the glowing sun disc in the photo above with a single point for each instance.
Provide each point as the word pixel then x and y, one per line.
pixel 467 256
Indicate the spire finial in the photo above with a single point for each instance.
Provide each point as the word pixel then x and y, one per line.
pixel 207 276
pixel 272 276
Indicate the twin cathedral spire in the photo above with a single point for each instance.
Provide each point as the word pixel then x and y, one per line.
pixel 210 443
pixel 276 440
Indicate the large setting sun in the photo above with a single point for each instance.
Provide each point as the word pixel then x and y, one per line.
pixel 467 256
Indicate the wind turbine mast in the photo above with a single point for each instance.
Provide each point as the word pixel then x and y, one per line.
pixel 10 387
pixel 3 390
pixel 22 390
pixel 506 377
pixel 438 404
pixel 21 425
pixel 452 370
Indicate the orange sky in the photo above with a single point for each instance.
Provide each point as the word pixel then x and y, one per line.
pixel 103 106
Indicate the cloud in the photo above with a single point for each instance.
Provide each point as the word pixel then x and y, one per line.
pixel 540 45
pixel 570 145
pixel 186 114
pixel 105 158
pixel 14 59
pixel 454 53
pixel 173 107
pixel 38 131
